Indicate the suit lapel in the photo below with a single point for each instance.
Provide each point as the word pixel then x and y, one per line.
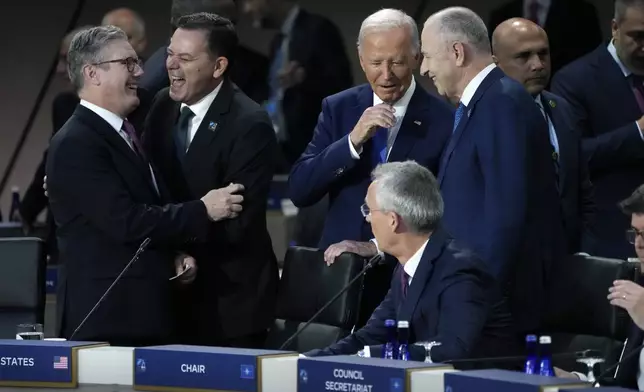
pixel 424 271
pixel 616 83
pixel 492 77
pixel 117 142
pixel 209 129
pixel 411 129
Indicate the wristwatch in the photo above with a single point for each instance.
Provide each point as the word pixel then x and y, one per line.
pixel 428 349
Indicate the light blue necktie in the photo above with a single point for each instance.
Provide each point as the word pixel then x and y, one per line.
pixel 459 114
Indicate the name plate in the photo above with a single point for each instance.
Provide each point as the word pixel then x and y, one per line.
pixel 180 367
pixel 40 363
pixel 357 374
pixel 495 380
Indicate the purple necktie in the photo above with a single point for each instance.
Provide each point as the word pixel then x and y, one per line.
pixel 404 282
pixel 131 133
pixel 637 83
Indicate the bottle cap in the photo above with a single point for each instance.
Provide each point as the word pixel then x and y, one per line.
pixel 390 323
pixel 531 338
pixel 545 339
pixel 403 324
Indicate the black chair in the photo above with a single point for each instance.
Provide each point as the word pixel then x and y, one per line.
pixel 578 315
pixel 22 283
pixel 307 283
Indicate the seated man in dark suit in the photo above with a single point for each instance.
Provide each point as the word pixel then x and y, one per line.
pixel 443 290
pixel 606 91
pixel 522 51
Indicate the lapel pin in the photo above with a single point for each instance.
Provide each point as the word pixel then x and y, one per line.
pixel 212 126
pixel 417 122
pixel 552 103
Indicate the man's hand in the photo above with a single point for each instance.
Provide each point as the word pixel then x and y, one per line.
pixel 181 263
pixel 364 249
pixel 381 115
pixel 224 203
pixel 291 75
pixel 44 185
pixel 630 296
pixel 564 374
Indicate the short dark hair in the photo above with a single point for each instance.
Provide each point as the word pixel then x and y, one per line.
pixel 634 204
pixel 220 33
pixel 622 5
pixel 225 8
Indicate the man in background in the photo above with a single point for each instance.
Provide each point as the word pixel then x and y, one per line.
pixel 132 24
pixel 308 62
pixel 249 72
pixel 521 50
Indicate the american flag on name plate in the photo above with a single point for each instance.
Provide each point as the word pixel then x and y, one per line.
pixel 61 363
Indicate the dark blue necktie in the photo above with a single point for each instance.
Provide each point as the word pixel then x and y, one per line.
pixel 457 117
pixel 380 146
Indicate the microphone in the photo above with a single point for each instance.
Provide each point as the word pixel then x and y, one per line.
pixel 144 245
pixel 623 358
pixel 372 261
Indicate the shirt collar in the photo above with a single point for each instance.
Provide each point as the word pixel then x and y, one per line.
pixel 201 107
pixel 111 118
pixel 613 52
pixel 474 84
pixel 287 26
pixel 411 265
pixel 402 102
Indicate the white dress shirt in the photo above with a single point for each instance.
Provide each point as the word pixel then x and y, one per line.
pixel 117 123
pixel 200 109
pixel 551 126
pixel 627 72
pixel 400 108
pixel 473 85
pixel 542 14
pixel 411 265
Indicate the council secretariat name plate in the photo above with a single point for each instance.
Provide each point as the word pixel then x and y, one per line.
pixel 357 374
pixel 40 363
pixel 179 367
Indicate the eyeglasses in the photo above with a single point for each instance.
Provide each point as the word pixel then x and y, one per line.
pixel 366 211
pixel 631 235
pixel 130 62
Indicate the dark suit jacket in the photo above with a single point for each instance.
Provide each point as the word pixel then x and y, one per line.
pixel 606 111
pixel 249 72
pixel 575 189
pixel 499 185
pixel 568 41
pixel 235 290
pixel 105 204
pixel 317 45
pixel 447 301
pixel 328 167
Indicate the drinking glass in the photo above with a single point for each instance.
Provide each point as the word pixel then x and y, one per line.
pixel 30 332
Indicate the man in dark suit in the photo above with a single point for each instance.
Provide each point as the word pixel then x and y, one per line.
pixel 610 113
pixel 496 175
pixel 572 25
pixel 202 133
pixel 106 200
pixel 251 68
pixel 390 119
pixel 443 290
pixel 308 63
pixel 522 52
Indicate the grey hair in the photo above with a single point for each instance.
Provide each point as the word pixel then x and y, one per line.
pixel 388 19
pixel 411 191
pixel 622 5
pixel 87 47
pixel 463 25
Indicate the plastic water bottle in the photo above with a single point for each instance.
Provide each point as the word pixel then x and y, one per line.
pixel 389 351
pixel 14 212
pixel 531 361
pixel 545 362
pixel 403 339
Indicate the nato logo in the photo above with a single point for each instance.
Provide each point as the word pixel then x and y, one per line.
pixel 304 376
pixel 247 372
pixel 395 385
pixel 140 365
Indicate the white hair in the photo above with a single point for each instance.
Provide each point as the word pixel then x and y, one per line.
pixel 463 25
pixel 411 191
pixel 388 19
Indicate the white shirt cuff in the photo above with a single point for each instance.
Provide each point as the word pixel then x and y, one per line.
pixel 354 153
pixel 636 124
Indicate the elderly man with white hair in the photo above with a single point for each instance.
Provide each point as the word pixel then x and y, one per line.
pixel 442 290
pixel 390 118
pixel 498 175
